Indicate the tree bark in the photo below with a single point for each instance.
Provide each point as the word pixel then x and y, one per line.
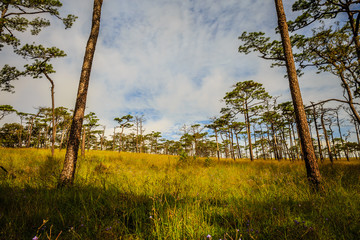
pixel 68 173
pixel 313 173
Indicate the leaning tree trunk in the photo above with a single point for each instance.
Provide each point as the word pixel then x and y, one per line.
pixel 68 173
pixel 312 168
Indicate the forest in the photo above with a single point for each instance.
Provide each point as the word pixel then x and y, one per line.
pixel 262 168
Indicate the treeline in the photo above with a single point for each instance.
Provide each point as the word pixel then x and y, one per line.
pixel 252 125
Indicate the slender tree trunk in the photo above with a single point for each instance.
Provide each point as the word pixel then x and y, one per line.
pixel 68 173
pixel 20 134
pixel 30 133
pixel 62 139
pixel 53 114
pixel 262 142
pixel 114 139
pixel 269 142
pixel 295 142
pixel 333 143
pixel 326 138
pixel 312 168
pixel 357 131
pixel 83 139
pixel 256 149
pixel 346 150
pixel 291 143
pixel 102 139
pixel 238 145
pixel 39 139
pixel 247 121
pixel 46 136
pixel 287 152
pixel 317 134
pixel 276 148
pixel 231 138
pixel 217 145
pixel 120 140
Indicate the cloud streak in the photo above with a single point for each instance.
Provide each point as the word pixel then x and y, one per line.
pixel 171 60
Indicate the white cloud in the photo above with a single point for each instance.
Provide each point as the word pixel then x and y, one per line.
pixel 172 60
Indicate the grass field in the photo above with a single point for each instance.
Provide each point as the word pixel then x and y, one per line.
pixel 141 196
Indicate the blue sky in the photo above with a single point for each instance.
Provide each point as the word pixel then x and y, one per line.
pixel 171 60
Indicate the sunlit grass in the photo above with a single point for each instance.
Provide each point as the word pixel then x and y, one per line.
pixel 143 196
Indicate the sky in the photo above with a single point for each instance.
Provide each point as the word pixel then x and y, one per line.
pixel 169 60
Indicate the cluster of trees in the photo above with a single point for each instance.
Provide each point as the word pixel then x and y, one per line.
pixel 37 131
pixel 270 130
pixel 252 125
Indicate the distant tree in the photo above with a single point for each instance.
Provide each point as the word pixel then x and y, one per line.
pixel 287 112
pixel 315 116
pixel 327 141
pixel 68 173
pixel 9 135
pixel 124 122
pixel 22 117
pixel 6 110
pixel 102 137
pixel 338 122
pixel 215 125
pixel 139 128
pixel 91 122
pixel 156 136
pixel 197 135
pixel 39 67
pixel 246 98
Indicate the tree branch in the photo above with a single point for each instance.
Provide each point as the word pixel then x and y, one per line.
pixel 328 100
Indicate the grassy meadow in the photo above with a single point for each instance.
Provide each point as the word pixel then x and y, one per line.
pixel 143 196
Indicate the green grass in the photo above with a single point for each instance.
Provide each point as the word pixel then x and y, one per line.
pixel 140 196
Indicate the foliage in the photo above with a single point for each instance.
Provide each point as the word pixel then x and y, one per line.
pixel 6 110
pixel 18 16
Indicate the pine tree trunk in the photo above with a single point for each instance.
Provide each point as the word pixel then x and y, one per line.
pixel 217 145
pixel 53 114
pixel 30 133
pixel 326 138
pixel 68 173
pixel 247 121
pixel 312 168
pixel 83 140
pixel 346 150
pixel 317 134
